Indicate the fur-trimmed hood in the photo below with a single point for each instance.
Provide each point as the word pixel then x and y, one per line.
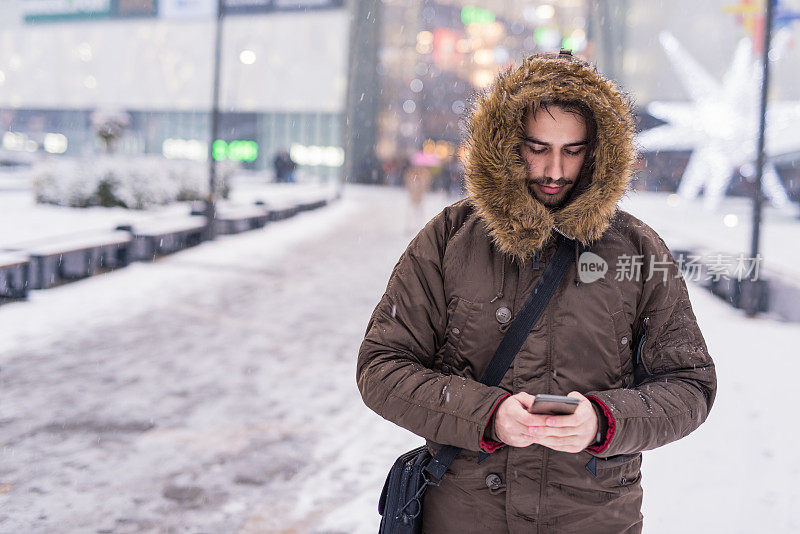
pixel 496 174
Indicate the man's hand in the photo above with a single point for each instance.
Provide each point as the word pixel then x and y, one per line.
pixel 566 433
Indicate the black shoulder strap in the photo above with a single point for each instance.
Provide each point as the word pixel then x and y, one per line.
pixel 515 337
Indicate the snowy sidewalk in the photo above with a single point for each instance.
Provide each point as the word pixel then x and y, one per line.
pixel 214 391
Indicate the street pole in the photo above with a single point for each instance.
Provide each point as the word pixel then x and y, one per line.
pixel 363 91
pixel 211 210
pixel 752 303
pixel 611 34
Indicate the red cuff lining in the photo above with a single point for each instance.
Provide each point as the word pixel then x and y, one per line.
pixel 612 426
pixel 489 445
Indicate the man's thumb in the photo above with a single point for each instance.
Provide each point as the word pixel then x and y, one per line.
pixel 526 399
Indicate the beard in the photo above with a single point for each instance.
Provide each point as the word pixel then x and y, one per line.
pixel 551 201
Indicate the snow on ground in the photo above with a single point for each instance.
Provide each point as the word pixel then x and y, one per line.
pixel 214 391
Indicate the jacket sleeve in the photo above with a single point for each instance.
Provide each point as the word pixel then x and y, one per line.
pixel 396 374
pixel 677 393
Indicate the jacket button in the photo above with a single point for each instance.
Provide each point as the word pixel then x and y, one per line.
pixel 493 481
pixel 624 340
pixel 456 331
pixel 623 480
pixel 503 315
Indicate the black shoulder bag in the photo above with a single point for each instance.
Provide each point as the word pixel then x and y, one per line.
pixel 400 503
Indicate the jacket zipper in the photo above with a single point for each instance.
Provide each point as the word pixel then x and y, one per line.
pixel 639 347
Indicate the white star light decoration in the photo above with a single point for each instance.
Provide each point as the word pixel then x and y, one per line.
pixel 720 124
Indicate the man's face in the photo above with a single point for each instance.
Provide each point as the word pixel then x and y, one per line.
pixel 554 148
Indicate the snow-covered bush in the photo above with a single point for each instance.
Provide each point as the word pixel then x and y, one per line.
pixel 135 182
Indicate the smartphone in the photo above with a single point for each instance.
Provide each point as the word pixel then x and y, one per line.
pixel 554 405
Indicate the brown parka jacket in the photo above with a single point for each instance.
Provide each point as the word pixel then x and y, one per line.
pixel 463 279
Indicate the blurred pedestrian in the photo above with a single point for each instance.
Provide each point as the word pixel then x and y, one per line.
pixel 453 173
pixel 284 167
pixel 391 172
pixel 417 181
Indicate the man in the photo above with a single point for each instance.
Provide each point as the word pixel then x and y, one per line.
pixel 550 152
pixel 284 167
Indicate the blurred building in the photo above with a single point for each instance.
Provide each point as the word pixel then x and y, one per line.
pixel 283 77
pixel 347 86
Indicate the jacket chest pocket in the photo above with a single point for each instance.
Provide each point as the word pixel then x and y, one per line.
pixel 471 337
pixel 458 312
